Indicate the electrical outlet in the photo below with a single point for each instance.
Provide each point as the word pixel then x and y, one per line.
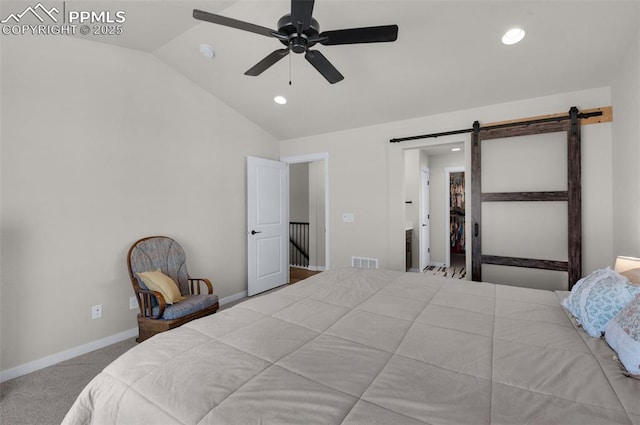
pixel 96 311
pixel 133 303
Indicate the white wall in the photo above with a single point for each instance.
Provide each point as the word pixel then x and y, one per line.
pixel 422 163
pixel 376 192
pixel 317 231
pixel 412 185
pixel 299 192
pixel 101 146
pixel 357 184
pixel 626 154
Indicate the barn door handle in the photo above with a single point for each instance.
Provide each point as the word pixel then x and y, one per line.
pixel 253 232
pixel 475 229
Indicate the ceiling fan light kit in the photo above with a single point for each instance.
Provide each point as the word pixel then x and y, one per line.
pixel 299 32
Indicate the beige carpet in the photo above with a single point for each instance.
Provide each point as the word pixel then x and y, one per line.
pixel 44 397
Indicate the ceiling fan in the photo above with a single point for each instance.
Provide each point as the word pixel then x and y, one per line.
pixel 299 32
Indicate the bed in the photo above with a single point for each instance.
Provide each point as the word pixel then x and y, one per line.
pixel 370 347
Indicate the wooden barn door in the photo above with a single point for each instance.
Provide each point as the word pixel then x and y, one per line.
pixel 499 206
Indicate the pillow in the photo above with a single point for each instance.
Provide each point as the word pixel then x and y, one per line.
pixel 158 281
pixel 597 298
pixel 623 335
pixel 633 275
pixel 629 267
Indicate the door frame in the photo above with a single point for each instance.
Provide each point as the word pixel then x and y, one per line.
pixel 447 210
pixel 397 195
pixel 313 157
pixel 425 243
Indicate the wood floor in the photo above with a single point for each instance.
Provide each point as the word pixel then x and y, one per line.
pixel 297 274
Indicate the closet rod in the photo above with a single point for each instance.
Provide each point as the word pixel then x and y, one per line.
pixel 582 115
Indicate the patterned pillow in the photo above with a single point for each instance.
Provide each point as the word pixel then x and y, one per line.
pixel 597 298
pixel 623 335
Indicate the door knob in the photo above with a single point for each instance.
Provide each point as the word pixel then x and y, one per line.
pixel 253 232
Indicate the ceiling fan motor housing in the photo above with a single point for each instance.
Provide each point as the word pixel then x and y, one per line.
pixel 299 43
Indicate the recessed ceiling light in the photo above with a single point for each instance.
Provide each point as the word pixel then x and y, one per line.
pixel 513 36
pixel 280 100
pixel 207 51
pixel 456 149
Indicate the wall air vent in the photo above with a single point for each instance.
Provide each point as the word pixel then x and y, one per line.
pixel 364 263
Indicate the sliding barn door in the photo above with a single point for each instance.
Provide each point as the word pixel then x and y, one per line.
pixel 526 203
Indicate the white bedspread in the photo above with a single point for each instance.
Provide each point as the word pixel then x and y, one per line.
pixel 370 347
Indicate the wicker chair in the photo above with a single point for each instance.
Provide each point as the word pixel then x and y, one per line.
pixel 156 315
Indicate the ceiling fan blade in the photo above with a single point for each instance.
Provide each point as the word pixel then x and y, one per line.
pixel 233 23
pixel 378 34
pixel 323 66
pixel 265 63
pixel 301 11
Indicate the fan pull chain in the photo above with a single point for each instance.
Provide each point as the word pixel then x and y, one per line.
pixel 290 68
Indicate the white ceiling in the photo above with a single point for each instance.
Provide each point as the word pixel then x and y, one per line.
pixel 448 56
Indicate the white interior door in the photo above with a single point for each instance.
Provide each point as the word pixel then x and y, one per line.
pixel 425 229
pixel 267 224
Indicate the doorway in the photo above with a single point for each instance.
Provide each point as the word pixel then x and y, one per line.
pixel 456 224
pixel 425 217
pixel 427 204
pixel 308 206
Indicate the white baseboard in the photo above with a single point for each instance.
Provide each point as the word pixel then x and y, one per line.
pixel 35 365
pixel 232 298
pixel 414 270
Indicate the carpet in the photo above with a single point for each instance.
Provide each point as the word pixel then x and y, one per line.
pixel 44 396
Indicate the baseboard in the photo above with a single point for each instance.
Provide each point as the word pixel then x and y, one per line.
pixel 232 298
pixel 414 270
pixel 35 365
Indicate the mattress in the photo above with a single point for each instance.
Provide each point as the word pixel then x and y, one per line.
pixel 370 347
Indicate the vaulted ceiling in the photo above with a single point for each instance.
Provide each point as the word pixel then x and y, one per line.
pixel 448 55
